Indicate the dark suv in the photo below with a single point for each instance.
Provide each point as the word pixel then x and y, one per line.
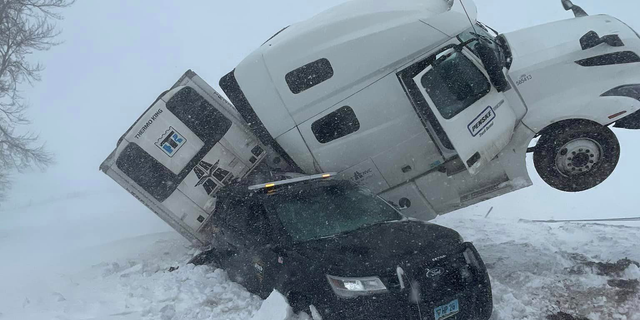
pixel 338 251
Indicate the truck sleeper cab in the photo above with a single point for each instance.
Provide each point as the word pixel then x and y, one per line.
pixel 369 116
pixel 392 97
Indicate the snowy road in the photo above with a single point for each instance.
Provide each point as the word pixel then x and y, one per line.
pixel 536 270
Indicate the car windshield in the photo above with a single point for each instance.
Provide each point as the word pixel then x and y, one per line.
pixel 314 213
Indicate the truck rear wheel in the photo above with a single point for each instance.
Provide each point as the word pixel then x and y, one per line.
pixel 576 157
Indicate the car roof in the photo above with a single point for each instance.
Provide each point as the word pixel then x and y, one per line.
pixel 241 190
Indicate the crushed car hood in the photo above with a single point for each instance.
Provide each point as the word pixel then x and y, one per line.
pixel 378 247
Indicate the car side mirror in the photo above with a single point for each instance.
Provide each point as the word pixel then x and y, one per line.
pixel 493 66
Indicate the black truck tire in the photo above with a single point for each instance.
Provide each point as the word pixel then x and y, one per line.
pixel 576 157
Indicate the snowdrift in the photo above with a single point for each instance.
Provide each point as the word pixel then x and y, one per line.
pixel 538 271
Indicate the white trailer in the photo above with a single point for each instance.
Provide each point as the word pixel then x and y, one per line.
pixel 187 145
pixel 412 100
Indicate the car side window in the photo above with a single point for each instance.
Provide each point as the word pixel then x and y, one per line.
pixel 236 215
pixel 248 222
pixel 258 224
pixel 454 84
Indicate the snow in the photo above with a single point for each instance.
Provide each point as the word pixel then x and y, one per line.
pixel 275 307
pixel 536 269
pixel 72 250
pixel 533 266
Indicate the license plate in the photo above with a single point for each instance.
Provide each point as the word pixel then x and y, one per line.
pixel 447 310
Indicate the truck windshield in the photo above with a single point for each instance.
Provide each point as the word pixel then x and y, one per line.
pixel 315 213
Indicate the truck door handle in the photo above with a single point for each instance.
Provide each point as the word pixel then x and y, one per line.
pixel 474 158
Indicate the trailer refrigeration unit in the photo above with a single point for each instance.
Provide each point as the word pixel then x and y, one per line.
pixel 406 98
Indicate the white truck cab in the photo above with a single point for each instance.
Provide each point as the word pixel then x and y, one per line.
pixel 416 100
pixel 411 100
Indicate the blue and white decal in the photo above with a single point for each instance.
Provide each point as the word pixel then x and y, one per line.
pixel 171 141
pixel 481 121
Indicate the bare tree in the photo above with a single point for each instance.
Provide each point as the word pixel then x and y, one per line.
pixel 26 26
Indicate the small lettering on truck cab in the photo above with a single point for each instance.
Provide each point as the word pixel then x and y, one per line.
pixel 481 121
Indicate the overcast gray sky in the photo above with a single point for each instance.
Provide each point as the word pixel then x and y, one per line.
pixel 118 55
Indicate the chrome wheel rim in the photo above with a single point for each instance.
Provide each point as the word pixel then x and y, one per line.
pixel 578 156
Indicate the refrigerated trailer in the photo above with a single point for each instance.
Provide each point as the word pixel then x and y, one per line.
pixel 186 146
pixel 414 99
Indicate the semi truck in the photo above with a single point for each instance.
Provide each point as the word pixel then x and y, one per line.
pixel 416 100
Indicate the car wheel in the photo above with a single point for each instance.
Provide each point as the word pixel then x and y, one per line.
pixel 576 157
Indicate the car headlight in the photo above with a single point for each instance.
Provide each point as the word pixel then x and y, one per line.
pixel 353 287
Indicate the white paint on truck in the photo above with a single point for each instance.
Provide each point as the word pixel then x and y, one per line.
pixel 398 96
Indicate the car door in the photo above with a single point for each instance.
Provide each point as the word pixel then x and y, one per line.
pixel 241 265
pixel 255 264
pixel 263 257
pixel 475 116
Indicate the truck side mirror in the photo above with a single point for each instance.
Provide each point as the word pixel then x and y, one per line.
pixel 493 66
pixel 577 10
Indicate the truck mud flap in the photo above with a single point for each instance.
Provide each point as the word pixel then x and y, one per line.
pixel 631 121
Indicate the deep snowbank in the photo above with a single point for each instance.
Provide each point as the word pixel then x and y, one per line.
pixel 536 270
pixel 541 269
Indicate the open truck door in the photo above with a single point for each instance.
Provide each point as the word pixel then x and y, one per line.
pixel 181 151
pixel 475 116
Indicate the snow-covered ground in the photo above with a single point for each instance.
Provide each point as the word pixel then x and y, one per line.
pixel 73 246
pixel 541 269
pixel 536 269
pixel 99 254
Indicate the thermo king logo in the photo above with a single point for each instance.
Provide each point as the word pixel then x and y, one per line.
pixel 481 121
pixel 171 141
